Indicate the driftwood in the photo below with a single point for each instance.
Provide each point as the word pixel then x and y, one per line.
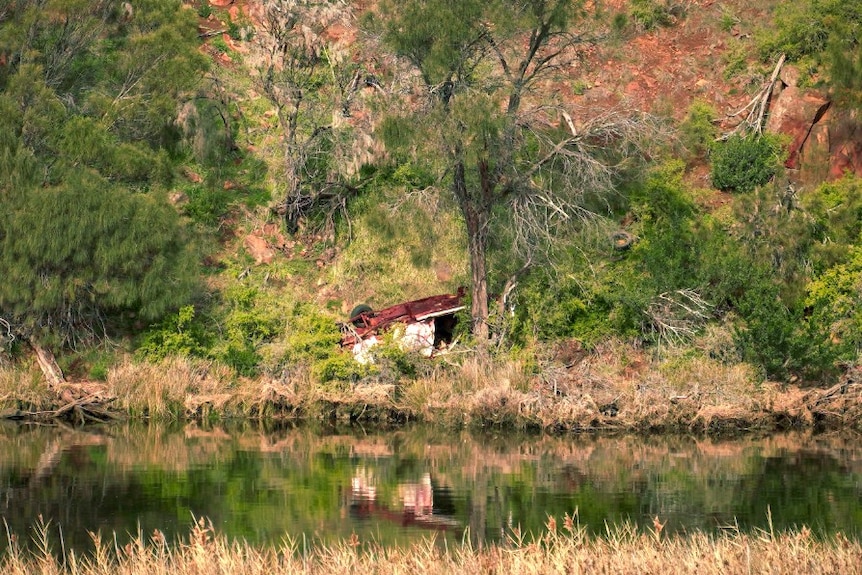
pixel 841 403
pixel 79 403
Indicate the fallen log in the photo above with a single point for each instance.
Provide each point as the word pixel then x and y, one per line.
pixel 78 403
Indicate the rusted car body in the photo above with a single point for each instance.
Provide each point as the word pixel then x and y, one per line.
pixel 424 325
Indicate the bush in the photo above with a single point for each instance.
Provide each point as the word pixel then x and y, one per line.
pixel 650 14
pixel 697 131
pixel 178 334
pixel 312 344
pixel 835 303
pixel 741 164
pixel 802 30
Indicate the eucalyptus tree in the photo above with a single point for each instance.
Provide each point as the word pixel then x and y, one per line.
pixel 514 157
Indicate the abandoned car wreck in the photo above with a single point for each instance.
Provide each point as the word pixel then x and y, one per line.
pixel 424 325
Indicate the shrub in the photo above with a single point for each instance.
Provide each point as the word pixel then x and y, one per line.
pixel 802 30
pixel 741 164
pixel 338 367
pixel 697 131
pixel 650 14
pixel 177 334
pixel 835 303
pixel 205 9
pixel 836 209
pixel 312 342
pixel 765 336
pixel 250 322
pixel 207 203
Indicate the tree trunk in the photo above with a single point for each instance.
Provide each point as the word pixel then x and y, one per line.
pixel 52 372
pixel 476 221
pixel 476 238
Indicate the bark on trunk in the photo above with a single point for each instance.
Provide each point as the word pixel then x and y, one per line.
pixel 476 222
pixel 479 282
pixel 52 372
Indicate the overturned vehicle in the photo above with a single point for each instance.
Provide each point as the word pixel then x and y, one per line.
pixel 424 325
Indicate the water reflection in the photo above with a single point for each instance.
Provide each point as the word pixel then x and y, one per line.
pixel 414 506
pixel 394 487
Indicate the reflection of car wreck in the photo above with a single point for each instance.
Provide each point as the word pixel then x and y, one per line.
pixel 425 325
pixel 414 505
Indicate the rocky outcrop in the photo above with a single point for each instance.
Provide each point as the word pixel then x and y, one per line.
pixel 795 112
pixel 824 138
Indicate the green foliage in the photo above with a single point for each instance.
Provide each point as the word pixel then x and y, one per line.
pixel 249 322
pixel 651 14
pixel 86 250
pixel 803 30
pixel 179 334
pixel 698 130
pixel 783 242
pixel 84 141
pixel 835 301
pixel 758 279
pixel 204 9
pixel 836 210
pixel 594 295
pixel 844 61
pixel 219 44
pixel 208 203
pixel 85 107
pixel 127 72
pixel 619 22
pixel 338 367
pixel 736 61
pixel 433 35
pixel 399 247
pixel 741 164
pixel 551 307
pixel 765 337
pixel 728 20
pixel 313 341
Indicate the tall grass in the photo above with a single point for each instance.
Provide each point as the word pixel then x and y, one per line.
pixel 564 549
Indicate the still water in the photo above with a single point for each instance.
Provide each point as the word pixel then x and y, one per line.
pixel 320 485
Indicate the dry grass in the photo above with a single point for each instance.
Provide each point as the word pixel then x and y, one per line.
pixel 23 388
pixel 563 549
pixel 181 387
pixel 616 387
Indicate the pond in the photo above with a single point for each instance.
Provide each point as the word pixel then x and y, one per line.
pixel 393 487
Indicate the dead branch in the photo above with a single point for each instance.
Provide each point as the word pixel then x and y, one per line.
pixel 676 316
pixel 757 107
pixel 211 33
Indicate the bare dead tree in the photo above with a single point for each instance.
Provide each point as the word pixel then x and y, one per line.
pixel 756 109
pixel 312 85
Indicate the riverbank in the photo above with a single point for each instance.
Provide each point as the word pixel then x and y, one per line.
pixel 614 389
pixel 564 549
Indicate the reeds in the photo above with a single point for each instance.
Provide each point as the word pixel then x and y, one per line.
pixel 563 549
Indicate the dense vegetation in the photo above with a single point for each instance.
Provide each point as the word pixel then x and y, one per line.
pixel 132 168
